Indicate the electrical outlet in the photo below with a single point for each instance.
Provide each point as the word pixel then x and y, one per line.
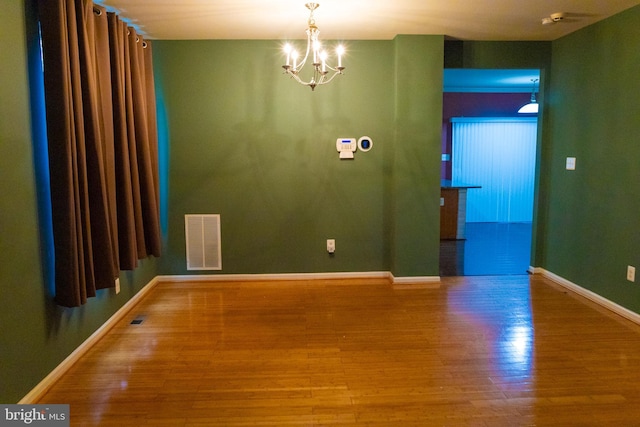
pixel 331 246
pixel 631 273
pixel 117 285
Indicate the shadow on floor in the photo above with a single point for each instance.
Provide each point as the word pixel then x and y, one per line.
pixel 491 248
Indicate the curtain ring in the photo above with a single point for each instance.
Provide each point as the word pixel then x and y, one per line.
pixel 144 45
pixel 97 11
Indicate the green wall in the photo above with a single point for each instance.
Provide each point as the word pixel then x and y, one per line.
pixel 516 54
pixel 35 334
pixel 21 292
pixel 247 142
pixel 416 156
pixel 593 213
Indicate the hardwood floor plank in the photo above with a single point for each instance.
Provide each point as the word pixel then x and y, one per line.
pixel 477 351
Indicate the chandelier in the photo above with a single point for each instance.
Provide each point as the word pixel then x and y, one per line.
pixel 320 68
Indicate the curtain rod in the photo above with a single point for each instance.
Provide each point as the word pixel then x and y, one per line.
pixel 98 12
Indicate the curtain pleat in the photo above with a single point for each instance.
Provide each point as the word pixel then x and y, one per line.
pixel 153 136
pixel 106 102
pixel 146 146
pixel 101 249
pixel 133 146
pixel 101 155
pixel 124 180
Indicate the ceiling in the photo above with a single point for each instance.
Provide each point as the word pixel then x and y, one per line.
pixel 495 20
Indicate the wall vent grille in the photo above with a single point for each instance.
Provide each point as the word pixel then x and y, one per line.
pixel 203 242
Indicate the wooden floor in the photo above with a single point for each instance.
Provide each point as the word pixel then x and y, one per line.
pixel 478 351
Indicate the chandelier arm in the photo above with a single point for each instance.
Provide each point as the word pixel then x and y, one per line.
pixel 306 55
pixel 302 82
pixel 336 69
pixel 296 78
pixel 325 81
pixel 318 78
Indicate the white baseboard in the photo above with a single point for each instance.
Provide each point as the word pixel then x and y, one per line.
pixel 535 270
pixel 275 276
pixel 39 390
pixel 416 280
pixel 592 296
pixel 302 276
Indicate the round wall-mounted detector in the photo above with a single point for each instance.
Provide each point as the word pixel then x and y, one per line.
pixel 558 16
pixel 365 143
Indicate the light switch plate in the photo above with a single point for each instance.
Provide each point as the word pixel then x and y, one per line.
pixel 571 163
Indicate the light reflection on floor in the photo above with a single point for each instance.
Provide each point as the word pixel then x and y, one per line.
pixel 503 319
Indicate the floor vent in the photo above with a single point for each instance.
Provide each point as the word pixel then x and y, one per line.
pixel 137 321
pixel 203 242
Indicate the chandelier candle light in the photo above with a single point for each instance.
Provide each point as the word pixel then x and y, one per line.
pixel 320 67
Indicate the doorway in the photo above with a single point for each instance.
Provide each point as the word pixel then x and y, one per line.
pixel 498 220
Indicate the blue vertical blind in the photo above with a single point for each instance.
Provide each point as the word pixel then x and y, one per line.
pixel 499 155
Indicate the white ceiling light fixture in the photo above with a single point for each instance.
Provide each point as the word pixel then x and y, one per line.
pixel 320 69
pixel 533 106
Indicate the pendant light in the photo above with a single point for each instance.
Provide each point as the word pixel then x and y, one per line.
pixel 533 106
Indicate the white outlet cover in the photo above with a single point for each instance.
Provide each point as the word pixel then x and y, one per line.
pixel 631 273
pixel 331 245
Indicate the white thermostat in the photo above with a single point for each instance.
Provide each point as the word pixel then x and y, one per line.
pixel 346 147
pixel 365 143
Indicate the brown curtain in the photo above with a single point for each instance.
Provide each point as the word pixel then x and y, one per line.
pixel 102 140
pixel 136 146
